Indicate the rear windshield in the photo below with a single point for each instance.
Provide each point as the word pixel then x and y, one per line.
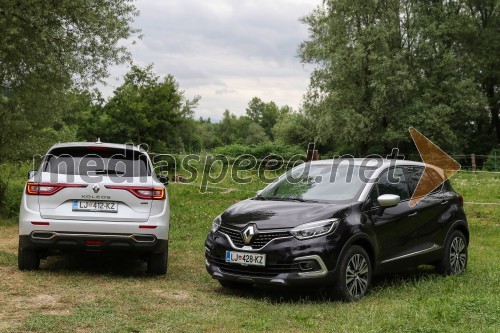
pixel 96 160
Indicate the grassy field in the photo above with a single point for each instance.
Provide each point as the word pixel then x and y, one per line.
pixel 96 294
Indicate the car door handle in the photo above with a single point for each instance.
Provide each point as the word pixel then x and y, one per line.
pixel 412 214
pixel 444 202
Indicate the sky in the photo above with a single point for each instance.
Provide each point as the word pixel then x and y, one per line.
pixel 226 51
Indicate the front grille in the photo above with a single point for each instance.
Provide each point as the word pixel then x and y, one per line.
pixel 259 240
pixel 270 270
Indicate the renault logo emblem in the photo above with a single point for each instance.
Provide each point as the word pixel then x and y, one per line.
pixel 96 188
pixel 248 234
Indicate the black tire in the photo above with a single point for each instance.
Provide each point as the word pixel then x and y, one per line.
pixel 353 277
pixel 234 284
pixel 455 255
pixel 158 262
pixel 27 259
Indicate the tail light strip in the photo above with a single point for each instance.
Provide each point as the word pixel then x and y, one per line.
pixel 49 188
pixel 150 193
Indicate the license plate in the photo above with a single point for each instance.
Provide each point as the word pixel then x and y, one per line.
pixel 245 258
pixel 95 206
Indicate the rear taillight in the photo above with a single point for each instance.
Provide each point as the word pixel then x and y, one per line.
pixel 48 188
pixel 460 200
pixel 151 193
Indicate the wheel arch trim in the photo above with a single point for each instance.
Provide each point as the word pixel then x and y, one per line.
pixel 360 239
pixel 460 225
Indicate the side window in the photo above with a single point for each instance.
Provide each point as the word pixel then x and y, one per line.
pixel 393 181
pixel 414 174
pixel 429 179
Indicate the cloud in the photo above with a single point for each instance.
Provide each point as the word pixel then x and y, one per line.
pixel 226 51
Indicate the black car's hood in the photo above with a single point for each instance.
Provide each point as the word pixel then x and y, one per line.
pixel 272 214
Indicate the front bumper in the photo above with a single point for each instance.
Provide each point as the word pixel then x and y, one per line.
pixel 60 242
pixel 284 258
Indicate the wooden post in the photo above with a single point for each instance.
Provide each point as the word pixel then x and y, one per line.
pixel 312 153
pixel 473 159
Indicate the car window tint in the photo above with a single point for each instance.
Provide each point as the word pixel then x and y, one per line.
pixel 414 174
pixel 82 161
pixel 429 179
pixel 393 181
pixel 436 179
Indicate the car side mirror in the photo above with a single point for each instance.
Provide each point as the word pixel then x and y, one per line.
pixel 31 173
pixel 388 200
pixel 164 180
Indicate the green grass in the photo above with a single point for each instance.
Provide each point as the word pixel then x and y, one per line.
pixel 93 294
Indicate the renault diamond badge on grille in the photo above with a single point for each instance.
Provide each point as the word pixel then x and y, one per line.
pixel 248 234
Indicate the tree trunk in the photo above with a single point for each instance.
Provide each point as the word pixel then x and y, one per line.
pixel 494 109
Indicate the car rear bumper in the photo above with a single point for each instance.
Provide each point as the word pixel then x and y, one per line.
pixel 55 242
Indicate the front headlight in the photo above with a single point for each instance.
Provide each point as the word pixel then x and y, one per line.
pixel 216 223
pixel 314 229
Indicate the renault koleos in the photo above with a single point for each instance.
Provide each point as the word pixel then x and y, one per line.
pixel 94 197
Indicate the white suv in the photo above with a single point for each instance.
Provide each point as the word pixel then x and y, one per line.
pixel 96 197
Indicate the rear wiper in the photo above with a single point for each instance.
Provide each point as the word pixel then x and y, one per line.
pixel 112 172
pixel 259 196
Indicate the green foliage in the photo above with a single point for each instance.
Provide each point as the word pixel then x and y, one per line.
pixel 232 129
pixel 49 50
pixel 261 150
pixel 492 162
pixel 145 109
pixel 265 114
pixel 12 179
pixel 255 134
pixel 59 42
pixel 386 65
pixel 294 129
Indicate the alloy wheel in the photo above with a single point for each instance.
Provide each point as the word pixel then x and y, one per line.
pixel 357 276
pixel 458 255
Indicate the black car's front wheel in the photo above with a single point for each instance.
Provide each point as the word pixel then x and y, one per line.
pixel 354 274
pixel 455 255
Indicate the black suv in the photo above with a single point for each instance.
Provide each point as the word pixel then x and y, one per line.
pixel 335 223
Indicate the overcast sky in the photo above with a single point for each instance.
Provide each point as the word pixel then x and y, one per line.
pixel 226 51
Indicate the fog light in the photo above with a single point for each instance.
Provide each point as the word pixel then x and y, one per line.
pixel 309 265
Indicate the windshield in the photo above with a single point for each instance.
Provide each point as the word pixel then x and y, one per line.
pixel 327 182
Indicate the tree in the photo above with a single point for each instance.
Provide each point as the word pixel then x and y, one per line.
pixel 48 49
pixel 294 129
pixel 386 65
pixel 256 134
pixel 60 42
pixel 484 47
pixel 265 114
pixel 146 109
